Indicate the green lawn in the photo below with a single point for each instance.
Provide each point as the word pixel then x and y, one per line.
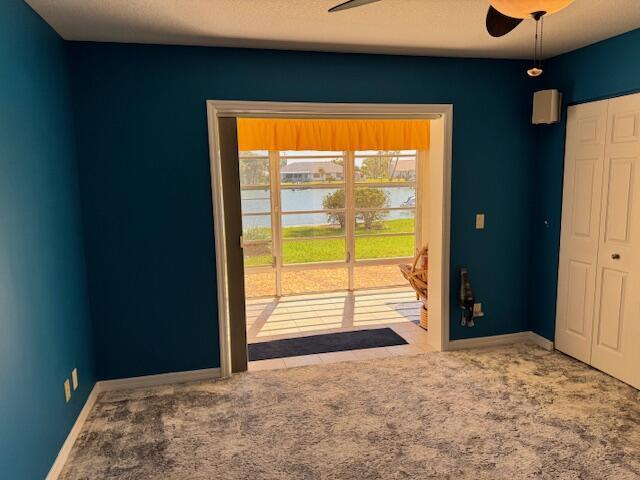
pixel 332 249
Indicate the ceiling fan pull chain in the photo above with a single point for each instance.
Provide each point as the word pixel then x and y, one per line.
pixel 541 33
pixel 535 47
pixel 536 70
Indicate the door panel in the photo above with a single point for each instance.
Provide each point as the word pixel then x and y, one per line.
pixel 578 293
pixel 616 348
pixel 611 299
pixel 619 199
pixel 583 196
pixel 625 126
pixel 586 133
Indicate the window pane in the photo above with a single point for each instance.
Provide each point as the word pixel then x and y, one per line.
pixel 385 247
pixel 385 166
pixel 255 201
pixel 258 255
pixel 254 171
pixel 256 227
pixel 313 251
pixel 372 197
pixel 254 153
pixel 296 199
pixel 385 197
pixel 258 284
pixel 371 221
pixel 298 167
pixel 316 280
pixel 312 225
pixel 396 221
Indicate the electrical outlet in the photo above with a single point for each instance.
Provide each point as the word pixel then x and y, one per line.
pixel 67 390
pixel 477 310
pixel 74 379
pixel 480 221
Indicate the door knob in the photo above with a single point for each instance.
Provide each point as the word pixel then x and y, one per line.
pixel 615 256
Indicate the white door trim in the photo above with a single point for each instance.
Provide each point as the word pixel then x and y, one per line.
pixel 439 249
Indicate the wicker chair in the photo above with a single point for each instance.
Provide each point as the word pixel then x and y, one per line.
pixel 416 275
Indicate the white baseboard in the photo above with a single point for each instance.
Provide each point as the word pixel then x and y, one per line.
pixel 157 380
pixel 61 459
pixel 520 337
pixel 121 384
pixel 491 341
pixel 541 341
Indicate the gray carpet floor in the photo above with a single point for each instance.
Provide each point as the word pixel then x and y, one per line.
pixel 514 412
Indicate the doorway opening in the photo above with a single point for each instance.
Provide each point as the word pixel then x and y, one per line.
pixel 331 204
pixel 324 221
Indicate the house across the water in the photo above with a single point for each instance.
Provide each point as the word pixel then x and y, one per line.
pixel 300 172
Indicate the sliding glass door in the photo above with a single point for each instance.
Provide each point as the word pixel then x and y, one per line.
pixel 317 221
pixel 258 223
pixel 312 213
pixel 385 222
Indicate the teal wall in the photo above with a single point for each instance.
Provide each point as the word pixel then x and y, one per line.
pixel 148 303
pixel 603 70
pixel 144 163
pixel 44 317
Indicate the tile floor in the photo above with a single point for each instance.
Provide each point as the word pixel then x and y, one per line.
pixel 302 315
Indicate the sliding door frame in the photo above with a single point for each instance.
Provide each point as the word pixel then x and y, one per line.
pixel 277 240
pixel 439 207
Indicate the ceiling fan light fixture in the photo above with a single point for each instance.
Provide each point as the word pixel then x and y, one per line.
pixel 536 70
pixel 525 8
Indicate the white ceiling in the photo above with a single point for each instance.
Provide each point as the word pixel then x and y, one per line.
pixel 414 27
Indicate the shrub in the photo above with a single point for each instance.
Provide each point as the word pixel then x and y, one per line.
pixel 333 201
pixel 371 198
pixel 364 198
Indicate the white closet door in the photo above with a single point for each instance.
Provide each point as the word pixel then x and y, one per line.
pixel 584 160
pixel 616 342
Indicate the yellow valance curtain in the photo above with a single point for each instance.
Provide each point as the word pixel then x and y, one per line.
pixel 332 134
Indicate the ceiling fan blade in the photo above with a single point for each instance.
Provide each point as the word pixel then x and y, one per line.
pixel 499 24
pixel 351 4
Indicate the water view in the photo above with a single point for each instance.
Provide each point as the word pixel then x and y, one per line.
pixel 258 201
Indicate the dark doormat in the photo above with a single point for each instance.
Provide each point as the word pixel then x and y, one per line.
pixel 330 342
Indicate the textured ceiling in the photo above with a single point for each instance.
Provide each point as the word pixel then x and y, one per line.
pixel 414 27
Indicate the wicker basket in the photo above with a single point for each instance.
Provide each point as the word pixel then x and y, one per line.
pixel 416 275
pixel 424 317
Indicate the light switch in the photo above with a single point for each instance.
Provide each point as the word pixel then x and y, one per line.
pixel 67 390
pixel 480 221
pixel 74 378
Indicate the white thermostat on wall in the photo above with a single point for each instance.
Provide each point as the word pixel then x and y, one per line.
pixel 546 107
